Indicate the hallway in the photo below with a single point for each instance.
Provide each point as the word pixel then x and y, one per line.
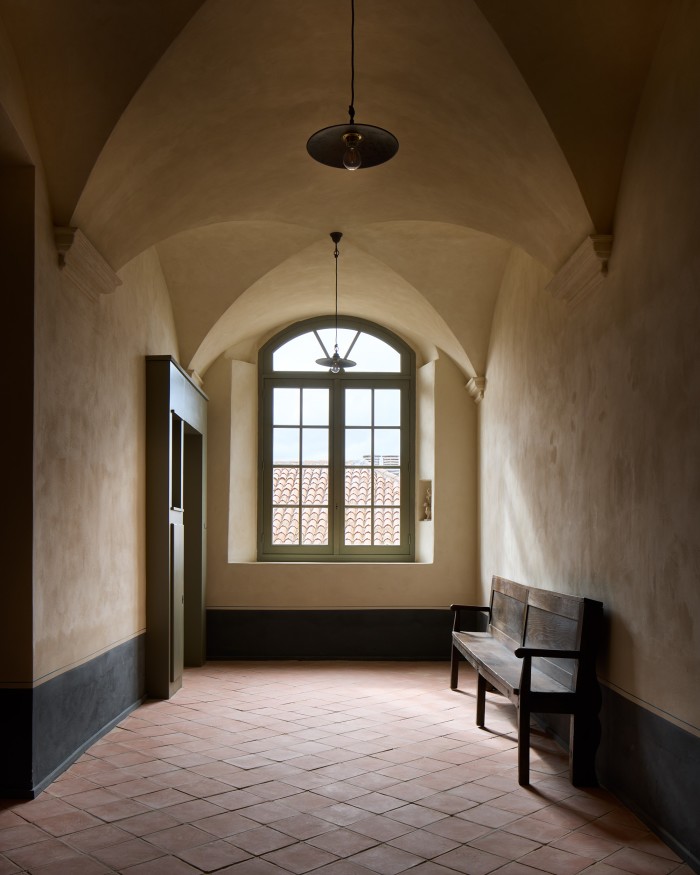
pixel 337 768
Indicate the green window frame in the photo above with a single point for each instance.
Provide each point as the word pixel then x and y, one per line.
pixel 336 453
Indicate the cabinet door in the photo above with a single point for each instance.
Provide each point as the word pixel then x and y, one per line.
pixel 177 600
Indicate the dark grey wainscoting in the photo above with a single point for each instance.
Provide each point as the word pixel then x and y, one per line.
pixel 51 725
pixel 653 767
pixel 373 633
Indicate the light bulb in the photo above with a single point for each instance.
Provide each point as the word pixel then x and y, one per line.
pixel 352 159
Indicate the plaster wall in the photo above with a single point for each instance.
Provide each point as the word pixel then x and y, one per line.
pixel 425 459
pixel 590 480
pixel 450 576
pixel 89 535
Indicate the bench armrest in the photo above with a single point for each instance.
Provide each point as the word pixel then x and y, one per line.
pixel 521 652
pixel 526 654
pixel 459 608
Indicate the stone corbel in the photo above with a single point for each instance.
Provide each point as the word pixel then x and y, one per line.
pixel 196 379
pixel 584 271
pixel 476 388
pixel 82 265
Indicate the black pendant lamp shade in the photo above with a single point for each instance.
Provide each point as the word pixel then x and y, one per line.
pixel 330 146
pixel 335 362
pixel 352 146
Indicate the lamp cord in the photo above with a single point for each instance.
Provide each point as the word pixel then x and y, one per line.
pixel 336 253
pixel 351 108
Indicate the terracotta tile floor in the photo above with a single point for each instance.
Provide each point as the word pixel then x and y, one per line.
pixel 336 768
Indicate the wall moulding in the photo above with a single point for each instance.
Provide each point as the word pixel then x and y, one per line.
pixel 82 265
pixel 584 271
pixel 476 388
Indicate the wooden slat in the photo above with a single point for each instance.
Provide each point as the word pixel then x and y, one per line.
pixel 556 603
pixel 510 587
pixel 508 615
pixel 546 629
pixel 500 666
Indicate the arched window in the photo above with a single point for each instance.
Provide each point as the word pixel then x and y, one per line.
pixel 336 449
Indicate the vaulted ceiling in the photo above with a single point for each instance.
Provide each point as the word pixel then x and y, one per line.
pixel 182 124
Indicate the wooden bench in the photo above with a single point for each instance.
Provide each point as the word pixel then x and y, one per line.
pixel 539 651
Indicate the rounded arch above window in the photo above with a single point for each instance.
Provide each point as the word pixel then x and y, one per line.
pixel 374 349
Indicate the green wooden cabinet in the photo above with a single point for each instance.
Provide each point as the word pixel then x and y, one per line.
pixel 176 428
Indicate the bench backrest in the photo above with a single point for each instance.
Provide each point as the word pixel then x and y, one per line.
pixel 530 617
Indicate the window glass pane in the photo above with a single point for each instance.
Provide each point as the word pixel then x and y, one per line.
pixel 387 486
pixel 345 339
pixel 285 446
pixel 299 354
pixel 358 486
pixel 314 445
pixel 387 446
pixel 387 526
pixel 285 485
pixel 315 410
pixel 387 407
pixel 358 446
pixel 373 354
pixel 358 407
pixel 314 525
pixel 285 406
pixel 285 525
pixel 369 352
pixel 358 527
pixel 314 485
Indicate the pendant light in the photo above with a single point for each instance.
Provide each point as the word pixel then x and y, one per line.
pixel 335 362
pixel 352 146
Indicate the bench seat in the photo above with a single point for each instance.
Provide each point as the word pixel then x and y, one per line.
pixel 501 667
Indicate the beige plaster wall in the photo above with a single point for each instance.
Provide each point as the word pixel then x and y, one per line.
pixel 590 430
pixel 449 577
pixel 88 587
pixel 89 547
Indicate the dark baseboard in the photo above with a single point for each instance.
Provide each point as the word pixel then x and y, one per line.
pixel 54 723
pixel 373 633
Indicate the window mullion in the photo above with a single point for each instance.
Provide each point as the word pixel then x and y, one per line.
pixel 372 459
pixel 338 464
pixel 300 474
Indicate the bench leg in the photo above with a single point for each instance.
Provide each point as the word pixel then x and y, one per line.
pixel 454 669
pixel 523 746
pixel 584 738
pixel 480 700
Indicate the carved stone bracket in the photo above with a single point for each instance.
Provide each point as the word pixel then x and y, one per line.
pixel 476 388
pixel 584 271
pixel 82 264
pixel 196 379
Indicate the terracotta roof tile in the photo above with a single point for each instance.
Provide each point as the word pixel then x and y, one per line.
pixel 286 525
